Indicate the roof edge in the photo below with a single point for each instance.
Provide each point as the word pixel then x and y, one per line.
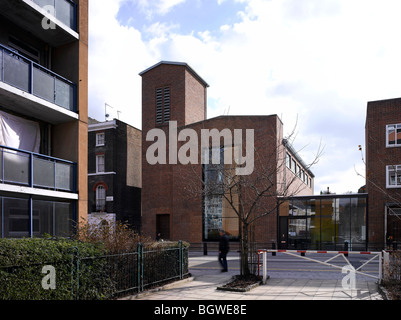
pixel 184 64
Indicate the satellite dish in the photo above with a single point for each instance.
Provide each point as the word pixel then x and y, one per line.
pixel 107 115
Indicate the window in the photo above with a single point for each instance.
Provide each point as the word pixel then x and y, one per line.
pixel 288 160
pixel 99 139
pixel 24 49
pixel 393 176
pixel 100 198
pixel 393 135
pixel 99 163
pixel 218 213
pixel 162 105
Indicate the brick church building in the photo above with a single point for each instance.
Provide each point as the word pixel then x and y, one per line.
pixel 174 101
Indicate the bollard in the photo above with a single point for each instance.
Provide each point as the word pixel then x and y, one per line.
pixel 346 248
pixel 205 249
pixel 274 248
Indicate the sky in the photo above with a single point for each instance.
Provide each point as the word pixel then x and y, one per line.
pixel 314 63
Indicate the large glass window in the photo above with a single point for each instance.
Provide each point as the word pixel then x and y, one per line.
pixel 48 217
pixel 16 218
pixel 218 213
pixel 326 223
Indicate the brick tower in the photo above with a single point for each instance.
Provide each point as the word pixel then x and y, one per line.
pixel 171 91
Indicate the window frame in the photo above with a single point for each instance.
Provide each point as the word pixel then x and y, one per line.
pixel 98 135
pixel 396 126
pixel 100 191
pixel 98 157
pixel 394 168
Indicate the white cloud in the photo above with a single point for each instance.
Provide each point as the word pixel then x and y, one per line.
pixel 164 6
pixel 321 61
pixel 116 56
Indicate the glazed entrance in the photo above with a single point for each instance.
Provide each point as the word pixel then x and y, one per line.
pixel 323 223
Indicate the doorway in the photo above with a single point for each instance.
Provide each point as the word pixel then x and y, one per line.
pixel 163 225
pixel 294 233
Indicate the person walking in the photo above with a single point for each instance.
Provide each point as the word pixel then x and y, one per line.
pixel 224 248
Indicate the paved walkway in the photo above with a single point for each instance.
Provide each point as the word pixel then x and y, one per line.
pixel 203 286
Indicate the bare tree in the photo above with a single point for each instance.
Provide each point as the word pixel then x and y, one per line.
pixel 251 197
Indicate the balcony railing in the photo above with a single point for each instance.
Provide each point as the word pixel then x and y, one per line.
pixel 64 10
pixel 34 170
pixel 26 75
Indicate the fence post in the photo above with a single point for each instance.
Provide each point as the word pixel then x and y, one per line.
pixel 381 267
pixel 264 267
pixel 75 267
pixel 180 258
pixel 140 266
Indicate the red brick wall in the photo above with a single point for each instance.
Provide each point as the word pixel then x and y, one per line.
pixel 186 93
pixel 175 189
pixel 380 114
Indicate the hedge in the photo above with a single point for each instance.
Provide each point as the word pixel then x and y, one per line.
pixel 85 271
pixel 22 260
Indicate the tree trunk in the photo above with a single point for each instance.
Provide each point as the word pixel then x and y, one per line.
pixel 245 271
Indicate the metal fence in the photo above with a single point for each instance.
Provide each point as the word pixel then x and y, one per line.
pixel 98 277
pixel 131 272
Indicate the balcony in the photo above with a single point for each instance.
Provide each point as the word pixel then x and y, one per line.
pixel 50 94
pixel 28 169
pixel 32 16
pixel 64 11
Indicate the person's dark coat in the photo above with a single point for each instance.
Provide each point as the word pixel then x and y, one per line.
pixel 224 246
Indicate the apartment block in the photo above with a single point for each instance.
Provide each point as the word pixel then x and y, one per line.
pixel 44 116
pixel 114 173
pixel 383 171
pixel 173 199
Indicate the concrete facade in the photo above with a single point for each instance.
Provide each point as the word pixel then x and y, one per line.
pixel 57 54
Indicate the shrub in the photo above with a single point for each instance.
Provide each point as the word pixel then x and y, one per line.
pixel 392 280
pixel 22 260
pixel 115 236
pixel 99 263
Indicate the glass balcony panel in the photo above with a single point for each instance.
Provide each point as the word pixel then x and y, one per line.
pixel 43 173
pixel 16 167
pixel 64 10
pixel 64 95
pixel 1 165
pixel 64 176
pixel 43 85
pixel 1 65
pixel 16 71
pixel 42 3
pixel 65 13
